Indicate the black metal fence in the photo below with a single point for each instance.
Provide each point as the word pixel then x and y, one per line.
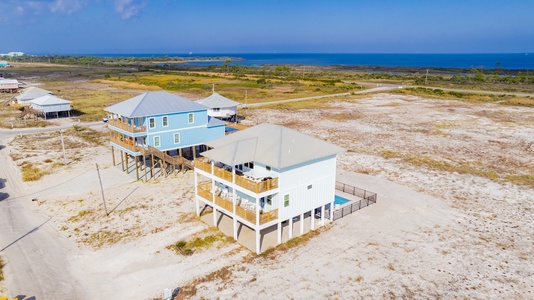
pixel 368 198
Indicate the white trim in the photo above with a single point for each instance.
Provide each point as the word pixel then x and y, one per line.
pixel 174 138
pixel 150 127
pixel 159 141
pixel 163 121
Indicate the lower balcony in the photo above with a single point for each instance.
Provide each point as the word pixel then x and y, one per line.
pixel 246 211
pixel 126 143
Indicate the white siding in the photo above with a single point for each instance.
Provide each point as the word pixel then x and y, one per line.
pixel 223 112
pixel 321 175
pixel 52 108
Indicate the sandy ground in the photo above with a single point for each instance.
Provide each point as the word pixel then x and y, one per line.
pixel 434 233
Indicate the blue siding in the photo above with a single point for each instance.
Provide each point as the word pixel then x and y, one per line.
pixel 195 133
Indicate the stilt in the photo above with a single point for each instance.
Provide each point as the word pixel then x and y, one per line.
pixel 136 167
pixel 301 224
pixel 194 152
pixel 113 155
pixel 322 215
pixel 144 163
pixel 151 165
pixel 215 217
pixel 127 163
pixel 122 160
pixel 290 228
pixel 279 233
pixel 258 235
pixel 312 219
pixel 197 206
pixel 332 211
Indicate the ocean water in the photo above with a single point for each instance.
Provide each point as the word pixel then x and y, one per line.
pixel 483 60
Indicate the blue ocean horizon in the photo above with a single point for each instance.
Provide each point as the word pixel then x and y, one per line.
pixel 455 60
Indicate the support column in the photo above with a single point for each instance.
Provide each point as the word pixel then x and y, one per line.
pixel 127 165
pixel 197 206
pixel 301 224
pixel 144 163
pixel 290 228
pixel 113 154
pixel 332 211
pixel 279 233
pixel 258 246
pixel 122 160
pixel 312 221
pixel 322 215
pixel 151 165
pixel 215 216
pixel 194 152
pixel 136 167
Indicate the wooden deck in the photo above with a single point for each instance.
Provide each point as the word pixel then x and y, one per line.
pixel 125 126
pixel 167 159
pixel 256 187
pixel 203 190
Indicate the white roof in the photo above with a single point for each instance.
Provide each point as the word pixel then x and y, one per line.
pixel 49 100
pixel 32 93
pixel 217 101
pixel 154 103
pixel 269 144
pixel 8 81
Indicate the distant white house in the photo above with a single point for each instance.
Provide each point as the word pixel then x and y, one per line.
pixel 51 104
pixel 9 85
pixel 220 106
pixel 30 93
pixel 13 54
pixel 265 176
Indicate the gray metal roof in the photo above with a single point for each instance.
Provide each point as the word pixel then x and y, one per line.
pixel 49 100
pixel 154 103
pixel 32 93
pixel 269 144
pixel 217 101
pixel 215 122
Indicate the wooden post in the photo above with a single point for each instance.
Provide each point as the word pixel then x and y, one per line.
pixel 144 163
pixel 122 160
pixel 152 165
pixel 113 155
pixel 127 165
pixel 136 167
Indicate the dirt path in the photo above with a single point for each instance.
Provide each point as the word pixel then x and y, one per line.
pixel 34 253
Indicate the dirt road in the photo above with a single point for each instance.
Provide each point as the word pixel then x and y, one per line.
pixel 34 253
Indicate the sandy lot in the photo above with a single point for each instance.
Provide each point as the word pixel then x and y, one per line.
pixel 452 218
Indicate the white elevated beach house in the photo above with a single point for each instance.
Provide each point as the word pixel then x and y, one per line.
pixel 267 175
pixel 220 106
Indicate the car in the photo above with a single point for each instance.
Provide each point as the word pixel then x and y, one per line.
pixel 105 119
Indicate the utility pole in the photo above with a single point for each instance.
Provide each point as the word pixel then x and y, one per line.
pixel 426 77
pixel 102 188
pixel 63 147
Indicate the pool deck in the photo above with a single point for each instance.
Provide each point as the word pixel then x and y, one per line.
pixel 347 196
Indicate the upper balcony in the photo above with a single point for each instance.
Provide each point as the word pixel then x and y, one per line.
pixel 247 212
pixel 254 185
pixel 126 127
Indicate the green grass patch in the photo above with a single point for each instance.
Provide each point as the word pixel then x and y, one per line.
pixel 203 240
pixel 524 179
pixel 1 269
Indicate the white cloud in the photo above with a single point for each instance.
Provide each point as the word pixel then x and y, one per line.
pixel 128 8
pixel 67 6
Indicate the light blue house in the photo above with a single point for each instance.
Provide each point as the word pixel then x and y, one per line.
pixel 160 125
pixel 4 64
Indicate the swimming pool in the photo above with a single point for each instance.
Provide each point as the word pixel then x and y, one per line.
pixel 340 200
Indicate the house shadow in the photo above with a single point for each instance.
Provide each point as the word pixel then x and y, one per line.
pixel 23 297
pixel 3 196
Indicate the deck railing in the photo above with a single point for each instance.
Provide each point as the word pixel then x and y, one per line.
pixel 257 187
pixel 126 127
pixel 126 143
pixel 249 215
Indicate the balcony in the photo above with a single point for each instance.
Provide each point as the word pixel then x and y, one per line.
pixel 254 186
pixel 126 143
pixel 126 127
pixel 203 190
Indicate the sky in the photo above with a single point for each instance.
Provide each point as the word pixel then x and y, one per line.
pixel 266 26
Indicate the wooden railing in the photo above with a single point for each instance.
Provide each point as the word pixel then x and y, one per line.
pixel 125 126
pixel 257 187
pixel 249 215
pixel 126 143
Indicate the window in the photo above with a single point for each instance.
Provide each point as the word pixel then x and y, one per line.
pixel 286 200
pixel 216 109
pixel 268 168
pixel 309 187
pixel 191 117
pixel 156 141
pixel 177 138
pixel 151 123
pixel 165 121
